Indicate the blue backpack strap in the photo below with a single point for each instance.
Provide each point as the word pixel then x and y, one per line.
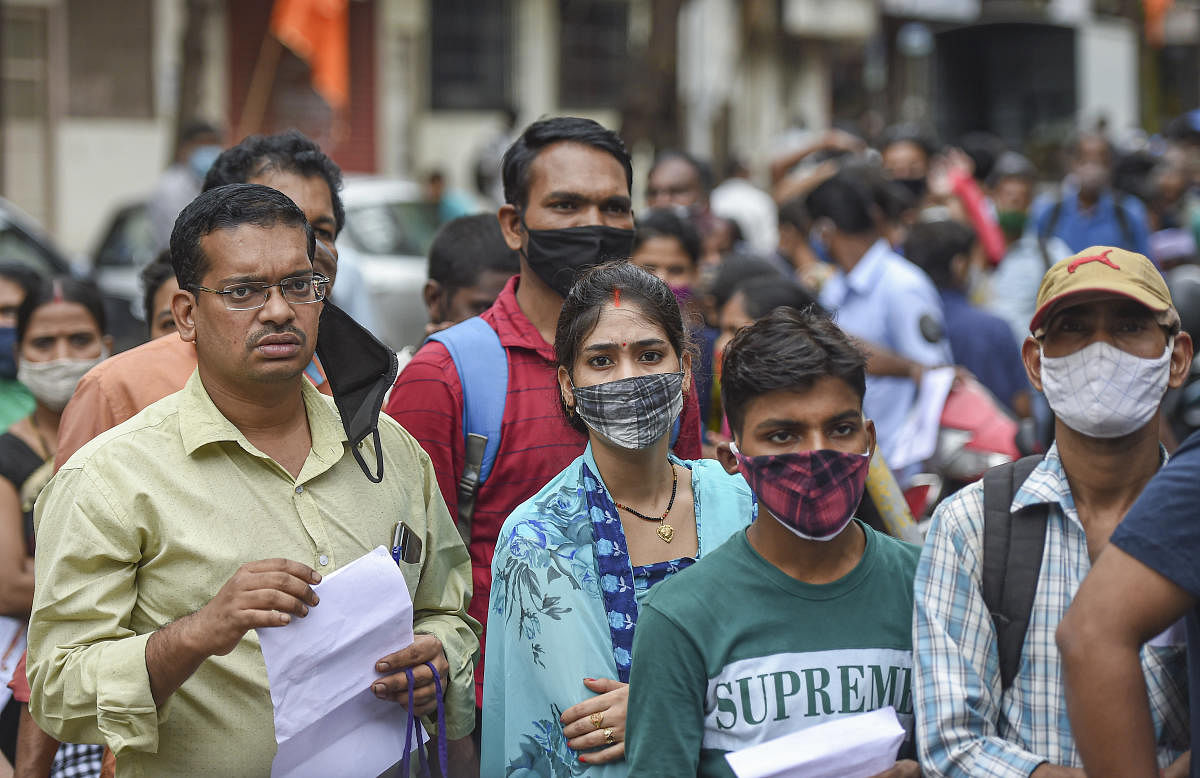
pixel 482 365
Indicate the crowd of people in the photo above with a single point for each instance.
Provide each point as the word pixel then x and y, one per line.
pixel 630 477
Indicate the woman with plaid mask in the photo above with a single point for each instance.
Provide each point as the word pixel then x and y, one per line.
pixel 573 561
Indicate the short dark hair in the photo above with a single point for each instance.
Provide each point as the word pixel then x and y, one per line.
pixel 737 270
pixel 594 289
pixel 153 276
pixel 787 350
pixel 666 223
pixel 519 157
pixel 846 200
pixel 467 246
pixel 287 152
pixel 794 213
pixel 62 289
pixel 225 208
pixel 1010 164
pixel 703 170
pixel 764 294
pixel 197 128
pixel 931 246
pixel 22 275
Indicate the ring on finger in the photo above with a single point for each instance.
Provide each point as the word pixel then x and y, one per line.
pixel 597 719
pixel 609 739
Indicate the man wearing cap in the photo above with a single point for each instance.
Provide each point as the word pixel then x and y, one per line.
pixel 1104 348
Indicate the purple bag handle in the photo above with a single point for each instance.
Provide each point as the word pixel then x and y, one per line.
pixel 413 724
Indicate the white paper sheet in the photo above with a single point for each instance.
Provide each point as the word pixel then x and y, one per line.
pixel 321 667
pixel 12 648
pixel 850 747
pixel 918 436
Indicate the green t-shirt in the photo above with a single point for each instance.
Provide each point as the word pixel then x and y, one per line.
pixel 15 402
pixel 733 651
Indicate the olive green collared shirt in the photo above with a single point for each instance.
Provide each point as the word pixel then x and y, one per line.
pixel 147 522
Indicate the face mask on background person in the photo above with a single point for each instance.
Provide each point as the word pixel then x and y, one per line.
pixel 812 493
pixel 559 256
pixel 8 347
pixel 1104 392
pixel 1012 223
pixel 633 413
pixel 52 383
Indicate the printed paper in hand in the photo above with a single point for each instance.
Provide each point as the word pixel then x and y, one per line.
pixel 851 747
pixel 327 720
pixel 918 436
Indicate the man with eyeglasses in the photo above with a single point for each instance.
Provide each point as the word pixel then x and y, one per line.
pixel 165 542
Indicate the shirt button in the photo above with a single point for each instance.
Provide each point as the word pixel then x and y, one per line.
pixel 299 489
pixel 324 560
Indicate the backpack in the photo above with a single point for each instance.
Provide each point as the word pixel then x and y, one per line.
pixel 1012 559
pixel 482 365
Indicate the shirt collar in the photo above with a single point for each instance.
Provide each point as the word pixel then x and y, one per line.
pixel 863 278
pixel 1048 483
pixel 513 326
pixel 201 423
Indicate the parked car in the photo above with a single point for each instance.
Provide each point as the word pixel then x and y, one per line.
pixel 389 227
pixel 22 240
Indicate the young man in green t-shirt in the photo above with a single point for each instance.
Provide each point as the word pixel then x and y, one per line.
pixel 807 615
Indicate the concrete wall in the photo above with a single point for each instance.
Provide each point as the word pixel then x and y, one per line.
pixel 1107 68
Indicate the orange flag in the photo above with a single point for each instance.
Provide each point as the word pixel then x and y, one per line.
pixel 1156 20
pixel 317 31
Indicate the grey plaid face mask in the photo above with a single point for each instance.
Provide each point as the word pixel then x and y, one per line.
pixel 633 413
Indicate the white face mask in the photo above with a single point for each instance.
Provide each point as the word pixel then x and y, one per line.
pixel 52 383
pixel 1104 392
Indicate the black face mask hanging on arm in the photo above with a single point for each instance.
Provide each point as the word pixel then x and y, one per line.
pixel 360 370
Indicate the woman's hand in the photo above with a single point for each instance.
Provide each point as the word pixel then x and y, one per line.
pixel 598 722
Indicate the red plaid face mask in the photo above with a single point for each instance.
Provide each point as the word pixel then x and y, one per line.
pixel 812 493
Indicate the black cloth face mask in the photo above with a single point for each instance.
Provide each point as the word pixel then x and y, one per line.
pixel 559 256
pixel 360 370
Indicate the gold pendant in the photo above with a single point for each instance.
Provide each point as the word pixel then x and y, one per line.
pixel 666 532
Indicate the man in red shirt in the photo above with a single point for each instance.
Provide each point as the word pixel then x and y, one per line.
pixel 567 184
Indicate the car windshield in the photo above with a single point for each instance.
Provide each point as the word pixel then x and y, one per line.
pixel 392 228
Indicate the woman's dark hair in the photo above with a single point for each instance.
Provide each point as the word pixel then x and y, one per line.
pixel 22 275
pixel 519 157
pixel 597 287
pixel 666 223
pixel 908 133
pixel 787 350
pixel 62 289
pixel 764 294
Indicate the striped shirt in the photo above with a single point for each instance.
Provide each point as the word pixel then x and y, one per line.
pixel 536 443
pixel 965 726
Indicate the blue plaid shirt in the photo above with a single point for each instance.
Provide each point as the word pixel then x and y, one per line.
pixel 965 726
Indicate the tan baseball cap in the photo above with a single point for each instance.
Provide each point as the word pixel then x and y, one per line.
pixel 1101 271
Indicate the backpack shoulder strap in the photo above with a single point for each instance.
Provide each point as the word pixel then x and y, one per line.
pixel 482 365
pixel 1052 219
pixel 1012 560
pixel 1122 217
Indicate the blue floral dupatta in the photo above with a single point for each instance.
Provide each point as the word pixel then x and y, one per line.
pixel 564 608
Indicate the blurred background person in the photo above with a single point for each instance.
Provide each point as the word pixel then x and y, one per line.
pixel 469 264
pixel 61 335
pixel 199 146
pixel 158 285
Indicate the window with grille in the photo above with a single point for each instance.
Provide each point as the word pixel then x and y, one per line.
pixel 470 54
pixel 593 53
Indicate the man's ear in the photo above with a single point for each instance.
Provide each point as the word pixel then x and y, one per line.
pixel 434 295
pixel 510 226
pixel 872 447
pixel 1031 355
pixel 726 458
pixel 1181 360
pixel 183 310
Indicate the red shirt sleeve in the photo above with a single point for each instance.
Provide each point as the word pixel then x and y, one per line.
pixel 427 401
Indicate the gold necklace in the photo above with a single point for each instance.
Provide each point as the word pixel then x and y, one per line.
pixel 665 530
